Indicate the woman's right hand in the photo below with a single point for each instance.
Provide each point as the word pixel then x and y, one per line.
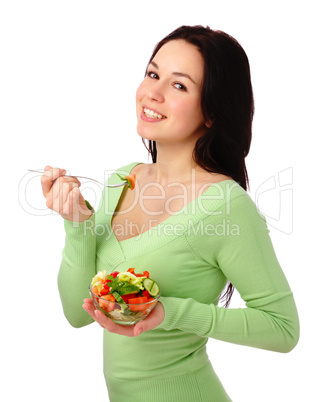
pixel 63 195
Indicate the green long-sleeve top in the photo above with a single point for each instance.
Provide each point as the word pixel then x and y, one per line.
pixel 220 236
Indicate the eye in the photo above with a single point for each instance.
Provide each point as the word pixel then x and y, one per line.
pixel 179 86
pixel 152 75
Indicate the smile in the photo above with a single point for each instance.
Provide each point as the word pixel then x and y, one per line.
pixel 153 115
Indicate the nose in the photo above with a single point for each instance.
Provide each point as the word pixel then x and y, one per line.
pixel 156 92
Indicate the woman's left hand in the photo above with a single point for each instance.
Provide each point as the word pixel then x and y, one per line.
pixel 152 321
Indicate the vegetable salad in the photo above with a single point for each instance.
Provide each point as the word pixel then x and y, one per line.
pixel 124 296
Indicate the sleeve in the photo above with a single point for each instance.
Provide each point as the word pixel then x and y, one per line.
pixel 247 259
pixel 78 265
pixel 77 270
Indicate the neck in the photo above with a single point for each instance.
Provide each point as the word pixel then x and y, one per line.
pixel 175 164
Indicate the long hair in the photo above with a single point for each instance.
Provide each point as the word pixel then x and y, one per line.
pixel 227 104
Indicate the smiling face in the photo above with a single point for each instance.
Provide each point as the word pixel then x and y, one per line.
pixel 168 101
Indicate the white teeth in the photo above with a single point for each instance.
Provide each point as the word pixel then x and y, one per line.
pixel 151 114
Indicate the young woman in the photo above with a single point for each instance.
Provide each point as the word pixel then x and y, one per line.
pixel 189 222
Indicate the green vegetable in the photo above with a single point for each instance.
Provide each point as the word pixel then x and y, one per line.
pixel 114 284
pixel 151 286
pixel 127 289
pixel 96 281
pixel 133 279
pixel 118 297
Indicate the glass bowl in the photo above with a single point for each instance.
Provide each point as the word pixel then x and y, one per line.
pixel 123 313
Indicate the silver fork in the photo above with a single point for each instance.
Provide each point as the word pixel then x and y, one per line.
pixel 82 177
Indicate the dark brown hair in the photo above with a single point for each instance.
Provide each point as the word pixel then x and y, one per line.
pixel 227 102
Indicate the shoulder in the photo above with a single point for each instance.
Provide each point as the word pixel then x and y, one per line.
pixel 228 200
pixel 240 209
pixel 221 194
pixel 228 220
pixel 129 168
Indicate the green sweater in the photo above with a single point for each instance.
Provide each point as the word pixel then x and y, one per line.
pixel 219 236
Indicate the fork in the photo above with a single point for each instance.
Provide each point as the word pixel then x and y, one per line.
pixel 82 177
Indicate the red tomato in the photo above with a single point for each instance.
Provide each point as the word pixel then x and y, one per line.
pixel 138 301
pixel 106 305
pixel 95 291
pixel 104 291
pixel 129 296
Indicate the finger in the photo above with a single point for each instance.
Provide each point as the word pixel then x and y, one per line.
pixel 154 319
pixel 141 326
pixel 48 178
pixel 70 179
pixel 74 203
pixel 88 304
pixel 88 301
pixel 59 191
pixel 89 308
pixel 66 202
pixel 62 189
pixel 52 176
pixel 59 181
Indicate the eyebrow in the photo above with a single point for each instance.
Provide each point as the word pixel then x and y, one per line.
pixel 175 73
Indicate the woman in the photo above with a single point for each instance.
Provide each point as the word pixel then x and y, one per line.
pixel 189 222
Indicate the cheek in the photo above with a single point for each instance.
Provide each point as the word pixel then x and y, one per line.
pixel 186 110
pixel 196 111
pixel 139 93
pixel 178 108
pixel 189 117
pixel 138 101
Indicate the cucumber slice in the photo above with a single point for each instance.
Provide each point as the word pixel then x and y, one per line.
pixel 118 297
pixel 151 286
pixel 127 289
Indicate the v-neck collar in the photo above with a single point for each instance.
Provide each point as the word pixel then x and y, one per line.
pixel 125 171
pixel 175 224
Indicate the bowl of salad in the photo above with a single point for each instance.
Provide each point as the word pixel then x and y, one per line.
pixel 124 297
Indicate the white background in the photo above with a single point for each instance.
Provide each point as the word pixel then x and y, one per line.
pixel 68 74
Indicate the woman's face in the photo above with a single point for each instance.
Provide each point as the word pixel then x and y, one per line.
pixel 168 101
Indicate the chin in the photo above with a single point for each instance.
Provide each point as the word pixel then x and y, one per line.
pixel 145 135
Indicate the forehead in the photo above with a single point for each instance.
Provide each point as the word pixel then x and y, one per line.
pixel 180 56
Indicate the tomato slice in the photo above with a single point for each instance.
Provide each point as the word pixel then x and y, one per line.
pixel 106 305
pixel 138 301
pixel 95 291
pixel 129 296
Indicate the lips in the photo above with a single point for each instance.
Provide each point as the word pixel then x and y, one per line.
pixel 153 114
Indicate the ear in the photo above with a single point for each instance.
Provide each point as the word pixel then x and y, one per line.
pixel 209 123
